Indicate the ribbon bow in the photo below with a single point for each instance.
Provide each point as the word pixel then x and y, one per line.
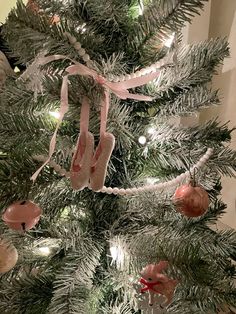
pixel 120 89
pixel 149 286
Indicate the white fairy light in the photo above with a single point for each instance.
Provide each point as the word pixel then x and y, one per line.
pixel 152 180
pixel 81 28
pixel 141 7
pixel 151 130
pixel 117 254
pixel 142 140
pixel 44 250
pixel 54 114
pixel 169 40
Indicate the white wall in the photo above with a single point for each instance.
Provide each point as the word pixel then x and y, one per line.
pixel 223 23
pixel 5 7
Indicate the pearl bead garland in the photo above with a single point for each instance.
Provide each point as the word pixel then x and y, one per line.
pixel 77 45
pixel 142 189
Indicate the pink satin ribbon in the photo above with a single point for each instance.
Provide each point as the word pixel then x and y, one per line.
pixel 120 89
pixel 149 286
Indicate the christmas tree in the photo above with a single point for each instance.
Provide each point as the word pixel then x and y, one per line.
pixel 87 251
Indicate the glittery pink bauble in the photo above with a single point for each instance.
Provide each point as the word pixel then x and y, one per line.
pixel 22 215
pixel 191 201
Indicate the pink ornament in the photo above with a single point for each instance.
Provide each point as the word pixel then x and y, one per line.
pixel 22 215
pixel 191 201
pixel 155 282
pixel 8 256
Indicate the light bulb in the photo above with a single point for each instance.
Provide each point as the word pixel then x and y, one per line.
pixel 142 140
pixel 117 254
pixel 152 180
pixel 54 114
pixel 44 250
pixel 141 7
pixel 151 130
pixel 81 28
pixel 169 41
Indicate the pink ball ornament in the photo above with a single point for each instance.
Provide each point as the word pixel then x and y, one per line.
pixel 22 215
pixel 191 201
pixel 8 256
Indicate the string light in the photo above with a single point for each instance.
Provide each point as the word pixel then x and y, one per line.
pixel 54 114
pixel 118 255
pixel 142 140
pixel 152 180
pixel 44 250
pixel 81 28
pixel 141 7
pixel 151 130
pixel 169 40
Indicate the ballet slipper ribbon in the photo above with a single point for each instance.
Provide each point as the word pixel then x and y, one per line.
pixel 120 89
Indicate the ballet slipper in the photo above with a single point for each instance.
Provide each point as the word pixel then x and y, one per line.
pixel 100 161
pixel 81 161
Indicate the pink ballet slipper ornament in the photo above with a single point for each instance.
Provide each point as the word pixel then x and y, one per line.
pixel 156 282
pixel 81 161
pixel 101 160
pixel 22 215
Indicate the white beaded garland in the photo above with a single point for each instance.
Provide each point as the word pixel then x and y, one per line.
pixel 145 188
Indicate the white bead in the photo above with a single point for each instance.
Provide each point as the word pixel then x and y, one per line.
pixel 128 77
pixel 109 190
pixel 133 75
pixel 122 192
pixel 116 79
pixel 148 70
pixel 115 191
pixel 147 188
pixel 140 190
pixel 86 57
pixel 143 71
pixel 89 63
pixel 138 73
pixel 208 154
pixel 77 45
pixel 111 77
pixel 122 78
pixel 153 68
pixel 178 180
pixel 72 39
pixel 153 188
pixel 129 192
pixel 66 34
pixel 57 168
pixel 200 163
pixel 81 52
